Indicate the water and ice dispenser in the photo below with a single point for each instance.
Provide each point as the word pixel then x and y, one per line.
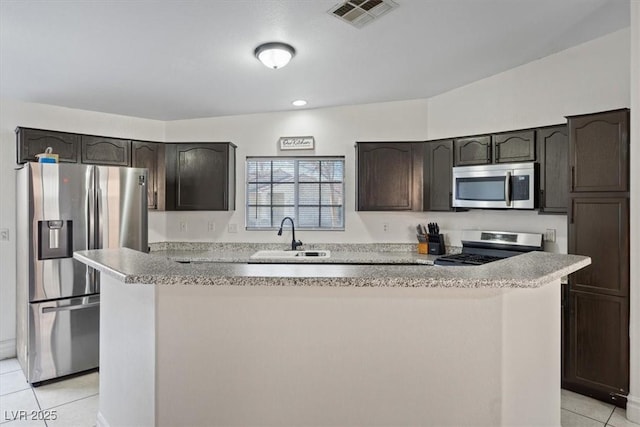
pixel 55 239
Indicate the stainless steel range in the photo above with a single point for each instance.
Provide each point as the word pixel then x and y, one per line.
pixel 481 247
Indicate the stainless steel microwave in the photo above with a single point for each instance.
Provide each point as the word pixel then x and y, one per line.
pixel 503 186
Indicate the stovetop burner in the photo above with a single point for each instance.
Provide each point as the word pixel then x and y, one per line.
pixel 481 247
pixel 473 259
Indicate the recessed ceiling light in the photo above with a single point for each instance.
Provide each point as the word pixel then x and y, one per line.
pixel 274 55
pixel 299 102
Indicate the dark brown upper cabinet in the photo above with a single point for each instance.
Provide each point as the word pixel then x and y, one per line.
pixel 510 147
pixel 200 176
pixel 389 176
pixel 553 155
pixel 472 150
pixel 98 150
pixel 438 178
pixel 599 142
pixel 36 141
pixel 150 155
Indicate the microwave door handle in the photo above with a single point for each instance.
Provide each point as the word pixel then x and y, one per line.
pixel 507 189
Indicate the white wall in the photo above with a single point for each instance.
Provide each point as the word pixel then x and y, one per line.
pixel 588 78
pixel 13 114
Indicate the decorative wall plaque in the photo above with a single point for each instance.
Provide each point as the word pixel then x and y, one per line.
pixel 297 143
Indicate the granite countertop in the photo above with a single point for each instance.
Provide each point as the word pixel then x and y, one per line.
pixel 529 270
pixel 337 257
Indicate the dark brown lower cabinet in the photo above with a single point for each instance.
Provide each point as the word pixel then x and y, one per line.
pixel 598 349
pixel 596 309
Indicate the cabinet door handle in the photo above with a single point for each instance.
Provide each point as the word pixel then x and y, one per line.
pixel 155 199
pixel 571 218
pixel 488 153
pixel 573 177
pixel 497 153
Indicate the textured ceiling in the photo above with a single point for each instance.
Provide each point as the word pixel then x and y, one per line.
pixel 172 60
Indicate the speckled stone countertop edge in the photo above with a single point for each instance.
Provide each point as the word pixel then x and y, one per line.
pixel 102 268
pixel 528 271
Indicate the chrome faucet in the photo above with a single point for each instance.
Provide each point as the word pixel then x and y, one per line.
pixel 294 243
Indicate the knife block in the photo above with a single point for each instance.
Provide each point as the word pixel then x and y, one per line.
pixel 436 244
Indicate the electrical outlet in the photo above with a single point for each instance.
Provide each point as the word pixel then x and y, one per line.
pixel 385 227
pixel 233 228
pixel 4 234
pixel 211 226
pixel 550 235
pixel 183 227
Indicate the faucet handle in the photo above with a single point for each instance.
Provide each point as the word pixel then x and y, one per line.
pixel 295 244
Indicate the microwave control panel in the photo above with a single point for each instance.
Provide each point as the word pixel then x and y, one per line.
pixel 520 187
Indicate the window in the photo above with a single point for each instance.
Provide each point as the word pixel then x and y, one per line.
pixel 308 189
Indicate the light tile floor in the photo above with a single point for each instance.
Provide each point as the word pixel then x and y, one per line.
pixel 75 402
pixel 69 403
pixel 583 411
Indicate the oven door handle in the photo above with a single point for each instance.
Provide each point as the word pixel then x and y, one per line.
pixel 507 189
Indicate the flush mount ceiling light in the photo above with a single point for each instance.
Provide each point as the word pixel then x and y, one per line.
pixel 299 102
pixel 274 55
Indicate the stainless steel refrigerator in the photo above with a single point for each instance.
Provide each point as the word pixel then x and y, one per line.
pixel 62 208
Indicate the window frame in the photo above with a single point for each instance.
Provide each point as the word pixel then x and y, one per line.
pixel 296 184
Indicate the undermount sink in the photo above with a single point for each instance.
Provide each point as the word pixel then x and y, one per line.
pixel 275 254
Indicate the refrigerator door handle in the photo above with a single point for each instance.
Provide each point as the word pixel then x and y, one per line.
pixel 91 214
pixel 99 218
pixel 79 306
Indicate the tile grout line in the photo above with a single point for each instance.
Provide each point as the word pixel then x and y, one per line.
pixel 38 402
pixel 16 391
pixel 36 397
pixel 610 415
pixel 586 416
pixel 72 401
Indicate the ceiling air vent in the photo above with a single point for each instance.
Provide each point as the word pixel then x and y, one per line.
pixel 361 12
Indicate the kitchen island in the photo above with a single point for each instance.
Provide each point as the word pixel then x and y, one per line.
pixel 329 344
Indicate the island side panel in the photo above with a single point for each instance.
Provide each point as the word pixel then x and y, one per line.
pixel 531 356
pixel 260 355
pixel 127 354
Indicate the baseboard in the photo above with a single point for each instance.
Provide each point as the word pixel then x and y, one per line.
pixel 633 409
pixel 100 421
pixel 7 349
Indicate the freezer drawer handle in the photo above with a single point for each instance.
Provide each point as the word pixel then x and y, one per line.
pixel 70 307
